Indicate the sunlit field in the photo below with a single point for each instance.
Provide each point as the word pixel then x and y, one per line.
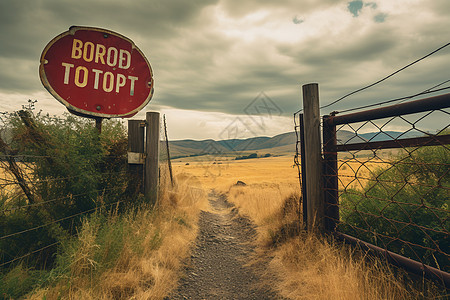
pixel 301 265
pixel 221 175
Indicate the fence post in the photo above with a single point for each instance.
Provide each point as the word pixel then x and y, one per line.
pixel 330 175
pixel 151 180
pixel 136 129
pixel 303 170
pixel 313 158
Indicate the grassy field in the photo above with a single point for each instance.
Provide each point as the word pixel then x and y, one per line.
pixel 302 266
pixel 222 174
pixel 151 245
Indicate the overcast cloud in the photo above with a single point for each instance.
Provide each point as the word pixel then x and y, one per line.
pixel 211 58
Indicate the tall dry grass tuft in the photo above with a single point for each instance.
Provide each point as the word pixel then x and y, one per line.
pixel 306 266
pixel 263 203
pixel 138 255
pixel 311 267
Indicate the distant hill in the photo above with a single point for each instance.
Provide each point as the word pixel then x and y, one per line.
pixel 281 144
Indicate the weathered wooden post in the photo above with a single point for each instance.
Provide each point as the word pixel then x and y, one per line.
pixel 313 158
pixel 136 157
pixel 151 181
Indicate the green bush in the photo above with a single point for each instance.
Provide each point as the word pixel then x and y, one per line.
pixel 407 201
pixel 74 171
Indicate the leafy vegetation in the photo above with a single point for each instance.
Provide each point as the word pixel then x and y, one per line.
pixel 405 206
pixel 68 171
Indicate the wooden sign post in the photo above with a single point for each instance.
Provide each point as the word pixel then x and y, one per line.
pixel 151 179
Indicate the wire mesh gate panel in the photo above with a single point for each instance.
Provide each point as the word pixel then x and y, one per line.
pixel 391 188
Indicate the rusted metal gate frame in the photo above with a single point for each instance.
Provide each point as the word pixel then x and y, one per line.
pixel 330 170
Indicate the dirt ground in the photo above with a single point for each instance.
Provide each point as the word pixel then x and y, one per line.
pixel 220 266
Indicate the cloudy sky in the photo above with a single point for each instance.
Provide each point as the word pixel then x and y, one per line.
pixel 222 63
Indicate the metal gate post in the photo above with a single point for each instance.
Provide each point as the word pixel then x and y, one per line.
pixel 330 175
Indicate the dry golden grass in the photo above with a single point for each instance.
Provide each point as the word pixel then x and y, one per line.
pixel 305 266
pixel 222 175
pixel 164 237
pixel 308 266
pixel 311 267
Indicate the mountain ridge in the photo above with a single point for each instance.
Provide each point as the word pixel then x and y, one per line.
pixel 279 144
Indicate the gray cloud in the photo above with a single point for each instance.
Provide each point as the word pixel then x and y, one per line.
pixel 218 55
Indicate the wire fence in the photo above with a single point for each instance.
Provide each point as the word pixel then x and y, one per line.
pixel 386 179
pixel 398 198
pixel 54 172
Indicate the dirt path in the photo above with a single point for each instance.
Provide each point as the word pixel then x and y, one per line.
pixel 217 269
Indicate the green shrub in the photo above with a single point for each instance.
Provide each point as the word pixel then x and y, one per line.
pixel 74 171
pixel 413 193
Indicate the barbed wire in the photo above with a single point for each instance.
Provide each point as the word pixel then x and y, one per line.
pixel 69 177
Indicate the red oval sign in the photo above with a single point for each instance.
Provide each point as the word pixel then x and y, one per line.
pixel 96 72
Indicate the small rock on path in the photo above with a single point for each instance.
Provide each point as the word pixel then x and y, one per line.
pixel 217 269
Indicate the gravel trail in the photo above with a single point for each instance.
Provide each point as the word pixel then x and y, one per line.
pixel 218 266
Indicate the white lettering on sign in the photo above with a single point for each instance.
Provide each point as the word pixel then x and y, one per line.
pixel 133 79
pixel 90 52
pixel 121 80
pixel 122 58
pixel 97 75
pixel 112 57
pixel 109 81
pixel 67 72
pixel 77 76
pixel 100 54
